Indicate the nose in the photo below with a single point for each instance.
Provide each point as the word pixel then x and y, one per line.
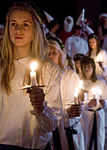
pixel 18 28
pixel 50 56
pixel 86 69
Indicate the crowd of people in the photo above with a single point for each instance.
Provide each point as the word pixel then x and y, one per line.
pixel 60 105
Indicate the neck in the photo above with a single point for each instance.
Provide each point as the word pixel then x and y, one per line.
pixel 21 52
pixel 88 78
pixel 94 49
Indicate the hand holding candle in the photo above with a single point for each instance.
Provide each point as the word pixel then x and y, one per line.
pixel 79 93
pixel 94 102
pixel 37 97
pixel 74 110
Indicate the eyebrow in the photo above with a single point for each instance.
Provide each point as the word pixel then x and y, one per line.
pixel 22 21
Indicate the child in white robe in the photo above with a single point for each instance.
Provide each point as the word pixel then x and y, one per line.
pixel 69 83
pixel 94 106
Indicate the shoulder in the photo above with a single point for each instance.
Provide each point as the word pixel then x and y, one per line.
pixel 101 80
pixel 69 38
pixel 103 51
pixel 71 74
pixel 51 68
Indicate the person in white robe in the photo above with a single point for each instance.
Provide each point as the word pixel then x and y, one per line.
pixel 95 104
pixel 69 83
pixel 99 55
pixel 27 120
pixel 75 44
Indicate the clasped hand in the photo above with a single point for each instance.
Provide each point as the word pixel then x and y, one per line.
pixel 93 102
pixel 37 97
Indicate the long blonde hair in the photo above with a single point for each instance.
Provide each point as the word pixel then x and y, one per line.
pixel 62 59
pixel 38 45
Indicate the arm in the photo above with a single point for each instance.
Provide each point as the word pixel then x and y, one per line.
pixel 51 76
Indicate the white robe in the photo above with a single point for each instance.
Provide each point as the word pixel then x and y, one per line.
pixel 75 45
pixel 69 83
pixel 87 116
pixel 103 56
pixel 18 126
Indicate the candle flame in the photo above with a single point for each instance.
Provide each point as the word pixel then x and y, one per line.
pixel 81 86
pixel 34 65
pixel 76 93
pixel 99 58
pixel 94 90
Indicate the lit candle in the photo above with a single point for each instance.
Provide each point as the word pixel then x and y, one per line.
pixel 81 85
pixel 94 91
pixel 99 58
pixel 76 96
pixel 33 73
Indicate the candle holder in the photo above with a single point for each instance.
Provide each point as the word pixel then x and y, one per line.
pixel 31 86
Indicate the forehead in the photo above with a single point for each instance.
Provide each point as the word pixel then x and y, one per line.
pixel 87 65
pixel 54 47
pixel 92 40
pixel 21 15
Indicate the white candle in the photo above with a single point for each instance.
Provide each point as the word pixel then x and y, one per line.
pixel 33 73
pixel 76 96
pixel 94 91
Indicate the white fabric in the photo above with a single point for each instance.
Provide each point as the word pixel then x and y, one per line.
pixel 88 29
pixel 48 16
pixel 17 124
pixel 104 45
pixel 75 45
pixel 81 17
pixel 87 116
pixel 68 26
pixel 103 56
pixel 69 83
pixel 102 15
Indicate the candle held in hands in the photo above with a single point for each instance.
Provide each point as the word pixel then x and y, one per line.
pixel 33 73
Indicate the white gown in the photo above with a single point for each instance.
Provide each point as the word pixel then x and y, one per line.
pixel 69 83
pixel 75 45
pixel 87 116
pixel 103 56
pixel 18 126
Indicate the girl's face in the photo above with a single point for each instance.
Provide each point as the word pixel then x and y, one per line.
pixel 21 28
pixel 54 54
pixel 93 43
pixel 77 65
pixel 88 70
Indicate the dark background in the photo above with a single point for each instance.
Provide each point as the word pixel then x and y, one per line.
pixel 60 9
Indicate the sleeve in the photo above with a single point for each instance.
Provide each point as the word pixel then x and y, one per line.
pixel 69 83
pixel 88 29
pixel 86 47
pixel 47 120
pixel 51 76
pixel 105 58
pixel 104 92
pixel 68 46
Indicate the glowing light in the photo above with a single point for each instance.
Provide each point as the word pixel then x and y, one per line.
pixel 33 73
pixel 99 58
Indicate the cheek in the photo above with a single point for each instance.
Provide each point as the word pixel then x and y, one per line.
pixel 29 35
pixel 11 34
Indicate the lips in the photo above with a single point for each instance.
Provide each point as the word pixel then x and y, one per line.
pixel 18 37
